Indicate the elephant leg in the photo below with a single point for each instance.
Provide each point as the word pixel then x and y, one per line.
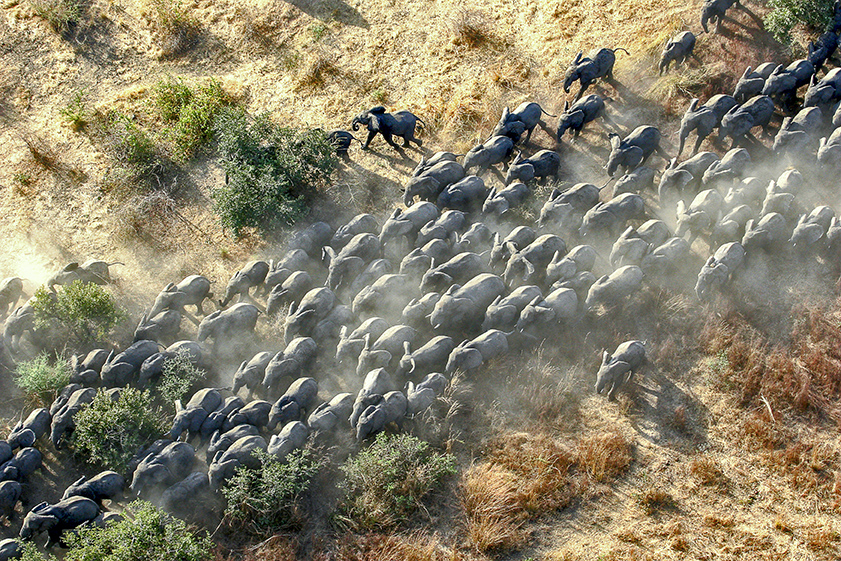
pixel 390 140
pixel 581 90
pixel 698 144
pixel 406 138
pixel 368 139
pixel 417 141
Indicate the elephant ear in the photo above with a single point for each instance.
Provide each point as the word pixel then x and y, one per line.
pixel 748 70
pixel 578 57
pixel 614 140
pixel 374 124
pixel 505 114
pixel 170 287
pixel 378 110
pixel 683 177
pixel 633 157
pixel 70 267
pixel 566 106
pixel 605 356
pixel 693 105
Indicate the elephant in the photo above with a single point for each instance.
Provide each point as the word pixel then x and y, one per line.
pixel 829 151
pixel 700 119
pixel 331 413
pixel 583 111
pixel 564 206
pixel 216 419
pixel 469 355
pixel 525 118
pixel 233 323
pixel 504 248
pixel 825 92
pixel 399 123
pixel 221 441
pixel 430 357
pixel 459 269
pixel 666 258
pixel 719 269
pixel 819 51
pixel 702 213
pixel 62 421
pixel 291 290
pixel 626 359
pixel 291 437
pixel 733 165
pixel 105 485
pixel 462 308
pixel 628 249
pixel 346 264
pixel 311 239
pixel 374 271
pixel 390 409
pixel 359 224
pixel 22 465
pixel 715 10
pixel 341 140
pixel 610 217
pixel 634 149
pixel 416 313
pixel 119 369
pixel 251 275
pixel 407 223
pixel 466 195
pixel 771 231
pixel 9 494
pixel 240 453
pixel 188 420
pixel 782 84
pixel 386 348
pixel 443 227
pixel 37 422
pixel 250 373
pixel 377 382
pixel 192 291
pixel 678 49
pixel 419 397
pixel 811 228
pixel 597 64
pixel 164 326
pixel 67 514
pixel 731 227
pixel 95 272
pixel 179 498
pixel 678 180
pixel 292 405
pixel 544 314
pixel 94 361
pixel 11 290
pixel 495 150
pixel 562 268
pixel 797 135
pixel 542 165
pixel 383 297
pixel 503 313
pixel 428 184
pixel 636 181
pixel 254 413
pixel 500 202
pixel 10 549
pixel 294 361
pixel 752 81
pixel 529 264
pixel 351 344
pixel 475 239
pixel 170 464
pixel 621 283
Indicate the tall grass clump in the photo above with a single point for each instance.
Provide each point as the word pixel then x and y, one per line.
pixel 60 14
pixel 271 171
pixel 387 481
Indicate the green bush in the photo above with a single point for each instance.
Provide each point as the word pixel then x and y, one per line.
pixel 58 13
pixel 108 432
pixel 76 112
pixel 386 481
pixel 179 375
pixel 270 171
pixel 148 534
pixel 87 309
pixel 130 145
pixel 265 500
pixel 785 14
pixel 40 379
pixel 29 552
pixel 191 112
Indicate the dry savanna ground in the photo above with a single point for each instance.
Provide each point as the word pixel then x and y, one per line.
pixel 725 447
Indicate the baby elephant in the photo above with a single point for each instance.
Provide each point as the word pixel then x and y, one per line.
pixel 627 358
pixel 399 123
pixel 678 48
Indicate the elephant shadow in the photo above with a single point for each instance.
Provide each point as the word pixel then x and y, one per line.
pixel 326 10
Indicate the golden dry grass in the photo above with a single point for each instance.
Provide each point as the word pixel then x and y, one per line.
pixel 491 501
pixel 604 456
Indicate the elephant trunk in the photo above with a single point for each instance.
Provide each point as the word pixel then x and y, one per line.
pixel 355 123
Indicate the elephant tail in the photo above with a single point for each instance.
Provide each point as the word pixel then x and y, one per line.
pixel 421 121
pixel 621 49
pixel 542 110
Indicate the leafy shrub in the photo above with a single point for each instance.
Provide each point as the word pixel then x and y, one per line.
pixel 266 499
pixel 29 552
pixel 40 379
pixel 270 170
pixel 785 14
pixel 386 481
pixel 149 535
pixel 192 112
pixel 129 144
pixel 87 309
pixel 109 432
pixel 169 95
pixel 179 375
pixel 76 112
pixel 58 13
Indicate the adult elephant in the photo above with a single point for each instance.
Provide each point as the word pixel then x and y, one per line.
pixel 399 123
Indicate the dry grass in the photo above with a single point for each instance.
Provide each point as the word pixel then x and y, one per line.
pixel 491 500
pixel 604 456
pixel 175 29
pixel 321 68
pixel 471 28
pixel 654 499
pixel 707 470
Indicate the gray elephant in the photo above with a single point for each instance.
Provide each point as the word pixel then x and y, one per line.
pixel 562 268
pixel 734 164
pixel 829 151
pixel 290 290
pixel 311 239
pixel 296 402
pixel 250 373
pixel 475 239
pixel 9 494
pixel 529 264
pixel 700 119
pixel 96 272
pixel 163 468
pixel 504 248
pixel 666 259
pixel 825 92
pixel 738 122
pixel 180 497
pixel 467 195
pixel 104 485
pixel 565 206
pixel 221 441
pixel 811 228
pixel 469 355
pixel 345 265
pixel 390 409
pixel 331 413
pixel 702 213
pixel 544 315
pixel 769 233
pixel 611 217
pixel 419 397
pixel 525 118
pixel 22 465
pixel 62 421
pixel 462 308
pixel 294 361
pixel 359 224
pixel 583 111
pixel 119 369
pixel 798 135
pixel 385 349
pixel 628 249
pixel 678 180
pixel 541 166
pixel 626 359
pixel 38 422
pixel 782 84
pixel 501 201
pixel 416 313
pixel 715 10
pixel 399 123
pixel 430 357
pixel 10 549
pixel 719 269
pixel 351 343
pixel 597 64
pixel 503 313
pixel 609 289
pixel 222 326
pixel 188 420
pixel 216 418
pixel 407 223
pixel 731 227
pixel 191 291
pixel 386 296
pixel 429 183
pixel 634 149
pixel 678 49
pixel 819 51
pixel 443 227
pixel 54 519
pixel 251 275
pixel 752 81
pixel 495 150
pixel 376 383
pixel 636 181
pixel 291 437
pixel 341 140
pixel 461 268
pixel 11 290
pixel 164 326
pixel 241 453
pixel 93 362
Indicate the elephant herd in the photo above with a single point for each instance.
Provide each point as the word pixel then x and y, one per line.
pixel 379 313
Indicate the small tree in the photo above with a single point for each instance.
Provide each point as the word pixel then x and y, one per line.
pixel 386 481
pixel 265 500
pixel 149 534
pixel 109 432
pixel 179 375
pixel 786 14
pixel 40 379
pixel 87 309
pixel 271 170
